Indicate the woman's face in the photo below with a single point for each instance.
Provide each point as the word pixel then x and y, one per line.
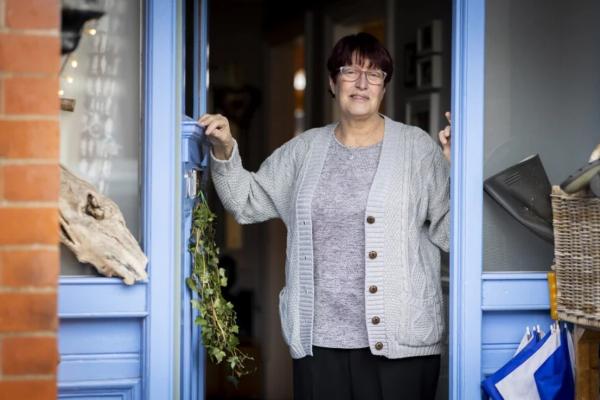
pixel 359 99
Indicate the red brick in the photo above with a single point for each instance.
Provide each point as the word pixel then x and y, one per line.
pixel 32 14
pixel 31 96
pixel 28 389
pixel 29 139
pixel 28 53
pixel 1 183
pixel 36 268
pixel 31 182
pixel 1 93
pixel 29 225
pixel 23 312
pixel 29 356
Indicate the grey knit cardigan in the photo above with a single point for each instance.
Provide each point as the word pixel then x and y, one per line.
pixel 406 224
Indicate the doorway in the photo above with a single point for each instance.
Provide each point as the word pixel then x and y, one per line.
pixel 268 76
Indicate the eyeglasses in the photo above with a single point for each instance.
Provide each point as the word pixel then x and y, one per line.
pixel 352 74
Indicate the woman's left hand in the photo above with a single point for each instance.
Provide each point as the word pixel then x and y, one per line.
pixel 445 137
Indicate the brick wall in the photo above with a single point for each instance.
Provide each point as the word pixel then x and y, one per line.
pixel 29 185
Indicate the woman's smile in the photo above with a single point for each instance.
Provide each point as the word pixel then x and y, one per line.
pixel 359 97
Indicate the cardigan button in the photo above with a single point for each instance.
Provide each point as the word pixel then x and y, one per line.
pixel 375 320
pixel 370 219
pixel 372 255
pixel 373 289
pixel 378 346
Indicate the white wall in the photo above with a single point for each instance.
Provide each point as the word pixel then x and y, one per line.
pixel 542 96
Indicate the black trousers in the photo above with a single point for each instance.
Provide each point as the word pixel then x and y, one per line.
pixel 356 374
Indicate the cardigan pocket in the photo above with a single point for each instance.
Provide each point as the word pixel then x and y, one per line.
pixel 423 323
pixel 283 315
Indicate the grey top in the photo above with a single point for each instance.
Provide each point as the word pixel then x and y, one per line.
pixel 406 223
pixel 338 209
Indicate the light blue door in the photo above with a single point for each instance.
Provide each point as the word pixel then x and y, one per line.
pixel 512 69
pixel 488 310
pixel 118 341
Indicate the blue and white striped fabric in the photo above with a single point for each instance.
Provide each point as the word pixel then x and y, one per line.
pixel 555 378
pixel 542 370
pixel 489 384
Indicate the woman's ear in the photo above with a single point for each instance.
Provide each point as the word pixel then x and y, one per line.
pixel 331 87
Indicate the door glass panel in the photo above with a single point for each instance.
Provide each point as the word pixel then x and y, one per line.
pixel 542 96
pixel 101 136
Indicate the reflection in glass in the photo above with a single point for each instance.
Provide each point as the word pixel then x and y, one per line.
pixel 100 138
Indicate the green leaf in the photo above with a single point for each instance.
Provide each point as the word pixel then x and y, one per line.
pixel 218 354
pixel 191 284
pixel 233 341
pixel 205 278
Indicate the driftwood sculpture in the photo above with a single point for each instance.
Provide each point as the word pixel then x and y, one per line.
pixel 93 228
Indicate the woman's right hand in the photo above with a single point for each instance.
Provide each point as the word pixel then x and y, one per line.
pixel 446 138
pixel 216 129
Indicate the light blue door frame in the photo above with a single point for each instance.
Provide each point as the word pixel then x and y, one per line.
pixel 488 311
pixel 468 57
pixel 161 193
pixel 120 341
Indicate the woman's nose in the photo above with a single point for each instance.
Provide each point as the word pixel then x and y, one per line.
pixel 362 82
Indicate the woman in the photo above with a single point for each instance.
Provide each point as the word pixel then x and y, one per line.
pixel 365 203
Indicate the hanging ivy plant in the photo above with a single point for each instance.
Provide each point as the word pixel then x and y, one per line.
pixel 217 316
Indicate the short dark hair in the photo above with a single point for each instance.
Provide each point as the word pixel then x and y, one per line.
pixel 366 47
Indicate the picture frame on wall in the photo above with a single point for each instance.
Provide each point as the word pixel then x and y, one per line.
pixel 429 72
pixel 429 38
pixel 423 111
